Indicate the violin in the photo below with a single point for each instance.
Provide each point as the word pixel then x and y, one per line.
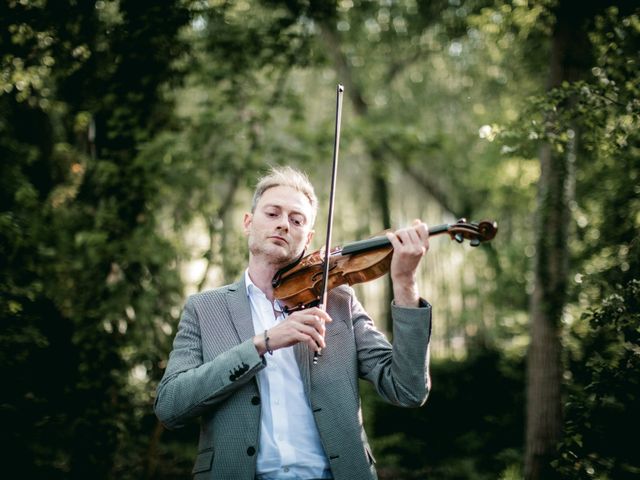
pixel 300 284
pixel 306 282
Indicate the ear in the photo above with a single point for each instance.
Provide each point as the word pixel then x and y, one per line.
pixel 246 222
pixel 309 237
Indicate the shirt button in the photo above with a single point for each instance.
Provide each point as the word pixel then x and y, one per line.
pixel 255 400
pixel 286 469
pixel 251 451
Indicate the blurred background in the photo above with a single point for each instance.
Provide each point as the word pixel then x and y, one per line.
pixel 132 134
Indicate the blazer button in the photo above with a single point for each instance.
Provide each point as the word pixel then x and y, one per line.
pixel 251 451
pixel 255 400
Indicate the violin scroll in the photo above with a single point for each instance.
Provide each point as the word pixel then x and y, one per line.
pixel 476 233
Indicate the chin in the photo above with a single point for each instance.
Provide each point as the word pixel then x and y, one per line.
pixel 285 259
pixel 277 256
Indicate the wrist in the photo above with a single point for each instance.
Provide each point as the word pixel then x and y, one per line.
pixel 261 342
pixel 406 295
pixel 258 342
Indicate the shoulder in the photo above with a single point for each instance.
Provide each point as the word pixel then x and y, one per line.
pixel 214 295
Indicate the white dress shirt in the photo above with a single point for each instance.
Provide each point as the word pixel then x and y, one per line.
pixel 290 446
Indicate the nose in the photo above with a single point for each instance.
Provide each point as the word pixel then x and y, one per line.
pixel 283 223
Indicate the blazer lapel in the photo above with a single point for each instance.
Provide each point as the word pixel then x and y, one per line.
pixel 240 313
pixel 240 310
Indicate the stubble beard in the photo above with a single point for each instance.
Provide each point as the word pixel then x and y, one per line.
pixel 271 254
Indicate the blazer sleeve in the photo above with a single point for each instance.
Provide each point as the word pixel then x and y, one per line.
pixel 399 372
pixel 191 386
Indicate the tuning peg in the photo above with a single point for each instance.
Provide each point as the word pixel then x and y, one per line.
pixel 458 237
pixel 475 242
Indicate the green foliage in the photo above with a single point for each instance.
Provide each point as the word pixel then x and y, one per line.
pixel 595 121
pixel 87 281
pixel 589 123
pixel 602 411
pixel 471 427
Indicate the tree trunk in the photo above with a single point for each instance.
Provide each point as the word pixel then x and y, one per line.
pixel 544 364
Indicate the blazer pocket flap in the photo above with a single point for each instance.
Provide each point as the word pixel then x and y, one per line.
pixel 203 462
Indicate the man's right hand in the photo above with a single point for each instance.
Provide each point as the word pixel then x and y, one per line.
pixel 303 326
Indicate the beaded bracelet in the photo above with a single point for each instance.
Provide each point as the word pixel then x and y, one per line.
pixel 266 343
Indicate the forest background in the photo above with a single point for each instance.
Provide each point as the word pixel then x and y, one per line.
pixel 132 133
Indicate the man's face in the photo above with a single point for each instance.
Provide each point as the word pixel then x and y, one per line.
pixel 279 229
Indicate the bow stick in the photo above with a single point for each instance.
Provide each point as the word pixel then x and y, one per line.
pixel 334 174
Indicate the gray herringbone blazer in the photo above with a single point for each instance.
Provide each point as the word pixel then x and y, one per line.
pixel 212 373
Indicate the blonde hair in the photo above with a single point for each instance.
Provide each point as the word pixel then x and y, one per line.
pixel 286 177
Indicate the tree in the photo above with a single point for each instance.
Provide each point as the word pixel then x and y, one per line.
pixel 581 125
pixel 544 364
pixel 86 274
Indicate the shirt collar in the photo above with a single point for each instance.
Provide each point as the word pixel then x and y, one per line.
pixel 250 286
pixel 253 290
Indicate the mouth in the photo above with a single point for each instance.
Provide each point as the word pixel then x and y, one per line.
pixel 279 239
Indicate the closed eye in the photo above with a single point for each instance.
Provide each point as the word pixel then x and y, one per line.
pixel 298 220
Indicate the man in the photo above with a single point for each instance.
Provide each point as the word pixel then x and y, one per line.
pixel 246 368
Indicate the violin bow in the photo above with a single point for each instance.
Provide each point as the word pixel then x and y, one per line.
pixel 334 175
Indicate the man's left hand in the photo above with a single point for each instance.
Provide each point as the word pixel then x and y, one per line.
pixel 409 246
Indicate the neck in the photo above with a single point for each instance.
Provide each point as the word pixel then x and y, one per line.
pixel 261 274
